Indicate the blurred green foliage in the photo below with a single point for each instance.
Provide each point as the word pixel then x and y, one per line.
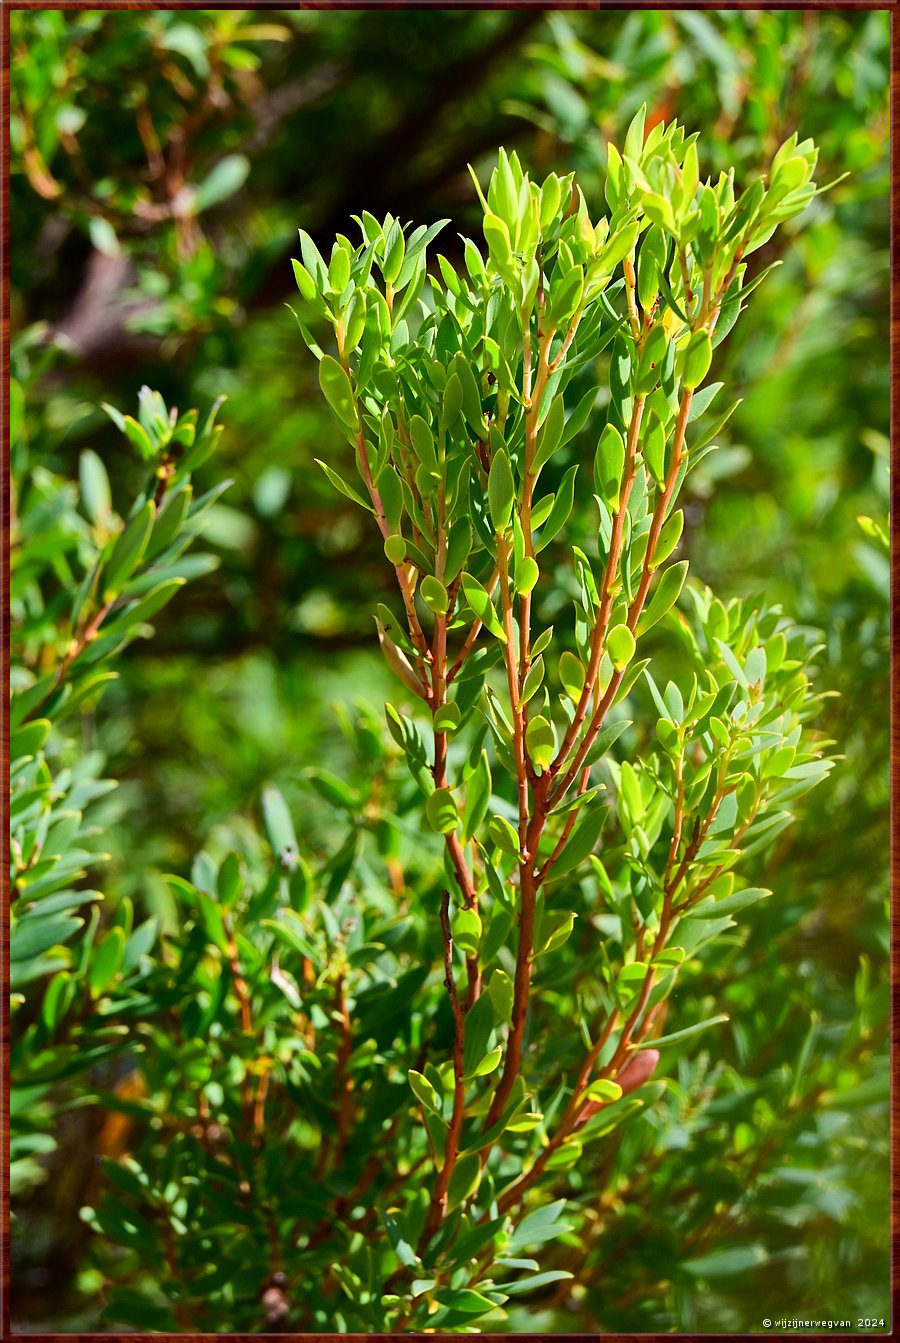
pixel 161 162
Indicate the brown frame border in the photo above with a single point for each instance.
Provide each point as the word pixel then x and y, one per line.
pixel 891 7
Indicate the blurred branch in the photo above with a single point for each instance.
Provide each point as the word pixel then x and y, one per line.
pixel 289 98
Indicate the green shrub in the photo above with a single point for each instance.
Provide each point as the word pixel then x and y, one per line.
pixel 450 462
pixel 761 1172
pixel 84 583
pixel 384 1084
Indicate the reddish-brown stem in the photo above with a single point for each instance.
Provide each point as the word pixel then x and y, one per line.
pixel 438 1204
pixel 77 646
pixel 461 867
pixel 630 286
pixel 669 911
pixel 259 1104
pixel 560 844
pixel 150 140
pixel 415 629
pixel 609 574
pixel 526 361
pixel 238 982
pixel 439 699
pixel 527 888
pixel 723 287
pixel 700 890
pixel 573 1108
pixel 637 1012
pixel 532 398
pixel 512 678
pixel 590 735
pixel 665 921
pixel 531 825
pixel 343 1080
pixel 661 509
pixel 471 636
pixel 567 341
pixel 521 993
pixel 567 1122
pixel 473 985
pixel 679 819
pixel 451 839
pixel 634 611
pixel 685 278
pixel 440 680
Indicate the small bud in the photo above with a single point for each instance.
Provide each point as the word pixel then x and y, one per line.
pixel 638 1070
pixel 305 282
pixel 275 1304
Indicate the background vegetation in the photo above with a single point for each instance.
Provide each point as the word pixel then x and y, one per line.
pixel 161 165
